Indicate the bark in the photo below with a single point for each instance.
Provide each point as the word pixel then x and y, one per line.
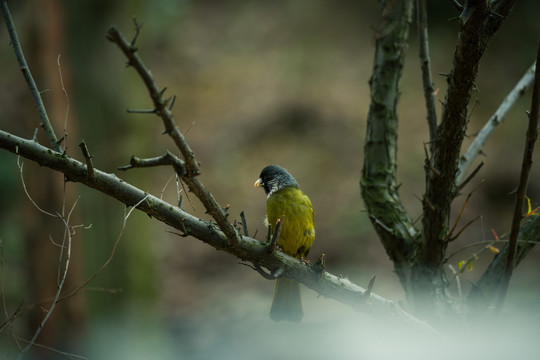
pixel 379 185
pixel 478 25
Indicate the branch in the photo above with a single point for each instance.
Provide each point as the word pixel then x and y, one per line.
pixel 478 25
pixel 495 120
pixel 488 286
pixel 427 78
pixel 248 249
pixel 160 105
pixel 532 134
pixel 57 296
pixel 379 185
pixel 36 95
pixel 191 167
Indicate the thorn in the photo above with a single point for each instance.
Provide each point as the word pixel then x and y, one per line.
pixel 367 294
pixel 244 223
pixel 88 157
pixel 137 32
pixel 172 103
pixel 147 111
pixel 275 235
pixel 321 264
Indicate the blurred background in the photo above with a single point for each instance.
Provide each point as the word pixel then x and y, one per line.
pixel 256 83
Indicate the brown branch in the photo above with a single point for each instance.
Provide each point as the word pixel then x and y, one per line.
pixel 478 25
pixel 273 244
pixel 191 166
pixel 532 134
pixel 471 176
pixel 87 157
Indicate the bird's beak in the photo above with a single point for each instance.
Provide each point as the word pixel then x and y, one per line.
pixel 258 183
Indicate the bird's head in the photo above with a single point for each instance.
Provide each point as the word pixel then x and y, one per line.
pixel 274 178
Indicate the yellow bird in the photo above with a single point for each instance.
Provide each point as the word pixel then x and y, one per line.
pixel 286 202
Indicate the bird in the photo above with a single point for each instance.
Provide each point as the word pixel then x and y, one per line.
pixel 285 202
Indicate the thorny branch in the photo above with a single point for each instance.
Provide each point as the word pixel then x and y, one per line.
pixel 531 136
pixel 190 169
pixel 249 249
pixel 478 24
pixel 427 79
pixel 36 95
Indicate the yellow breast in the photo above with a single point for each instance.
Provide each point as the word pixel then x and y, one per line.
pixel 297 231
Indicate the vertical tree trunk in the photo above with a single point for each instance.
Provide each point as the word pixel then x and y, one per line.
pixel 379 186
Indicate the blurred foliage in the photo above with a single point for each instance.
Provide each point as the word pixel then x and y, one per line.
pixel 281 82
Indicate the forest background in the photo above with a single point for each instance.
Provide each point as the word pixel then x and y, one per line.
pixel 283 82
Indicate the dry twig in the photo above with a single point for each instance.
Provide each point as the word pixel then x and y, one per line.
pixel 531 136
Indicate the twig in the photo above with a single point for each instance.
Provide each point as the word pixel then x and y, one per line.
pixel 21 165
pixel 165 186
pixel 473 257
pixel 470 177
pixel 9 319
pixel 275 235
pixel 88 158
pixel 68 231
pixel 156 94
pixel 138 28
pixel 144 111
pixel 66 116
pixel 36 95
pixel 427 78
pixel 532 134
pixel 465 203
pixel 260 270
pixel 244 223
pixel 457 5
pixel 167 159
pixel 190 163
pixel 489 243
pixel 465 228
pixel 494 121
pixel 456 276
pixel 57 296
pixel 449 236
pixel 48 348
pixel 109 259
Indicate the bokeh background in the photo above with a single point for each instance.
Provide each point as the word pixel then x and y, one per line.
pixel 256 83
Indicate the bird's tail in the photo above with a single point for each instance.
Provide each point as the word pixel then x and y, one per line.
pixel 287 303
